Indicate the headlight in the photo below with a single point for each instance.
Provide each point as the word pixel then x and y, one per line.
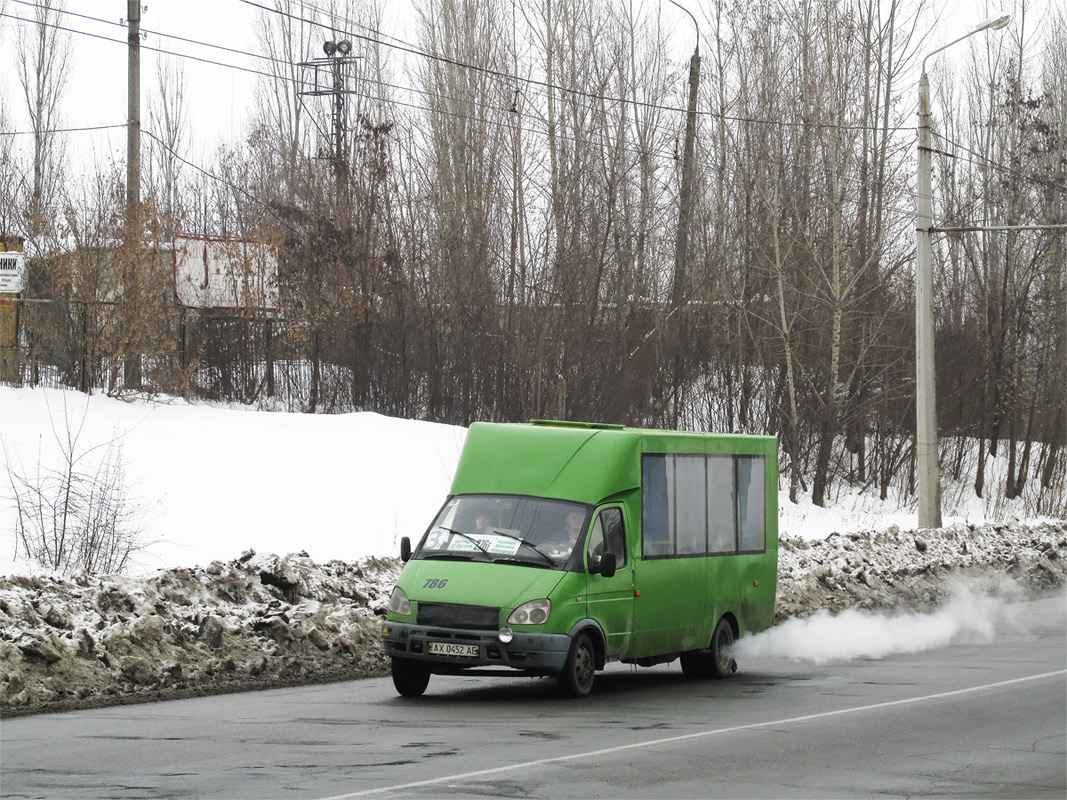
pixel 398 602
pixel 535 612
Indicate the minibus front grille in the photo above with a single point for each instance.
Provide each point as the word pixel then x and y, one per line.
pixel 454 615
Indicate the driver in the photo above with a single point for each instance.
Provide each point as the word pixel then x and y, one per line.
pixel 572 529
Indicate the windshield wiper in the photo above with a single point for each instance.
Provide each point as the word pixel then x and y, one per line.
pixel 522 542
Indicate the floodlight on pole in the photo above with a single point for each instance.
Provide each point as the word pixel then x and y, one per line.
pixel 928 471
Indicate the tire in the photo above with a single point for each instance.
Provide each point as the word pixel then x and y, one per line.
pixel 410 677
pixel 715 662
pixel 722 645
pixel 576 680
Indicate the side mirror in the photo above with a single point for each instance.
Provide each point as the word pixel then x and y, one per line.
pixel 606 567
pixel 405 549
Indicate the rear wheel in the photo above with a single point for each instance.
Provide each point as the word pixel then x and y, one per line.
pixel 715 662
pixel 722 646
pixel 410 677
pixel 576 680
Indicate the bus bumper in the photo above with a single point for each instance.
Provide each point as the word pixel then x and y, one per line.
pixel 532 652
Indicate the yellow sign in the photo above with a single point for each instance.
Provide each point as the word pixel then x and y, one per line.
pixel 8 329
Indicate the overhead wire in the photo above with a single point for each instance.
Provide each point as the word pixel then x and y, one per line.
pixel 65 130
pixel 403 46
pixel 979 159
pixel 448 60
pixel 289 79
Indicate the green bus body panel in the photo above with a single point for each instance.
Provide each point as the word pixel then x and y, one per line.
pixel 653 606
pixel 506 586
pixel 565 463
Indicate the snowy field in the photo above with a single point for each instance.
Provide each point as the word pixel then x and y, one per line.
pixel 211 482
pixel 271 541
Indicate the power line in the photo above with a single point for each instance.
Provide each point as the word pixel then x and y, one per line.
pixel 288 79
pixel 63 130
pixel 481 119
pixel 512 79
pixel 237 188
pixel 556 87
pixel 980 159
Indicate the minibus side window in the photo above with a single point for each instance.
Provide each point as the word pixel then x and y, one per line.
pixel 702 504
pixel 722 522
pixel 690 504
pixel 751 508
pixel 656 516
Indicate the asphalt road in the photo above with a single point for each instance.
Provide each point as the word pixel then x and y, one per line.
pixel 973 720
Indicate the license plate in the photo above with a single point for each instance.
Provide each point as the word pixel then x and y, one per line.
pixel 450 649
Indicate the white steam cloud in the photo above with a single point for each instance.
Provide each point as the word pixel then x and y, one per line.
pixel 971 616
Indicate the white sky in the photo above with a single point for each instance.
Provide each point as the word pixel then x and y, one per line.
pixel 219 96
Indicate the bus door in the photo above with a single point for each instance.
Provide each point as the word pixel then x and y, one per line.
pixel 610 600
pixel 671 575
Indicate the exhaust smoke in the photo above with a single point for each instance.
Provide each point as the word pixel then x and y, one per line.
pixel 972 615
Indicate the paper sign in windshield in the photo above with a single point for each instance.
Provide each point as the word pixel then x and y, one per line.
pixel 496 545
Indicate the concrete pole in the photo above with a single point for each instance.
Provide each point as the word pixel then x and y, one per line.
pixel 133 125
pixel 925 380
pixel 927 467
pixel 132 284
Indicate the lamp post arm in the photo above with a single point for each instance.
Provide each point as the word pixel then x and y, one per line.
pixel 993 23
pixel 696 48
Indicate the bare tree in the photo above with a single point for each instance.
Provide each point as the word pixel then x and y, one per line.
pixel 42 59
pixel 78 515
pixel 168 118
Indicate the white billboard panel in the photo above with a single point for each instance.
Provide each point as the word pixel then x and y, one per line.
pixel 217 273
pixel 12 272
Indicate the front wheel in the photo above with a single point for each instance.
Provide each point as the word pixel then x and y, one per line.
pixel 410 677
pixel 576 680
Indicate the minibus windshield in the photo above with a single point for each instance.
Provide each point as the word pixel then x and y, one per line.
pixel 506 528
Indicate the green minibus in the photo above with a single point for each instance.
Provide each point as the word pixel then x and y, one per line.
pixel 565 546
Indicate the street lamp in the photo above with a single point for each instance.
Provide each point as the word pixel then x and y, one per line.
pixel 925 400
pixel 685 204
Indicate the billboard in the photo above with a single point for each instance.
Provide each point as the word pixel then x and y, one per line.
pixel 12 272
pixel 220 273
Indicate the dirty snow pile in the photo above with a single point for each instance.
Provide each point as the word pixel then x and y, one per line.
pixel 910 569
pixel 253 622
pixel 263 620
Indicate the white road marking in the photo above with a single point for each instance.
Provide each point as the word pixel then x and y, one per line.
pixel 482 773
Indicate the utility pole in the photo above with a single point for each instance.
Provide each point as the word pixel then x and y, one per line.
pixel 928 481
pixel 133 125
pixel 132 285
pixel 928 470
pixel 685 214
pixel 338 59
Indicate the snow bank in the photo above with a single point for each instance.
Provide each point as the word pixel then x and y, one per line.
pixel 256 621
pixel 264 620
pixel 211 482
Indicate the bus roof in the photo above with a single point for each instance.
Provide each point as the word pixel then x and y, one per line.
pixel 584 462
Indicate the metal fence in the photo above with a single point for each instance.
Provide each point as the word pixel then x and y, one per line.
pixel 245 358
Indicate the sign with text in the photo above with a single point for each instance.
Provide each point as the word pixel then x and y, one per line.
pixel 12 272
pixel 217 273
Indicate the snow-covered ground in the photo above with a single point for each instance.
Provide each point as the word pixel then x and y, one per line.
pixel 270 542
pixel 211 482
